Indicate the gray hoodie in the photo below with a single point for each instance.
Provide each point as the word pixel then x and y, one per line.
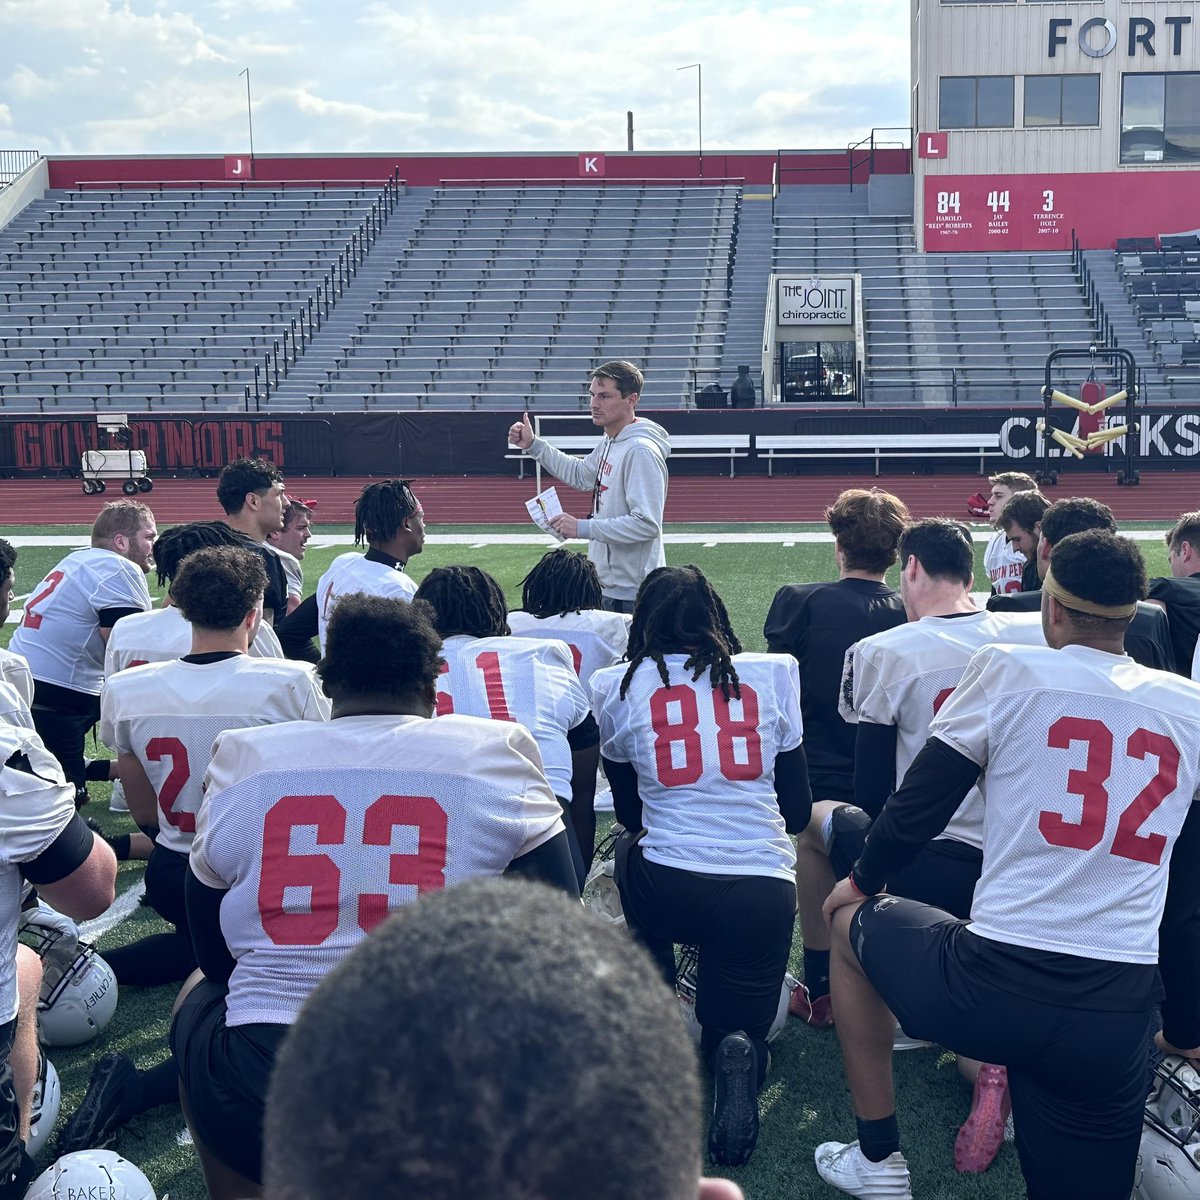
pixel 627 476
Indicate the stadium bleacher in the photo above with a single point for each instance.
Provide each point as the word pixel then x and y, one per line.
pixel 483 296
pixel 125 297
pixel 1161 279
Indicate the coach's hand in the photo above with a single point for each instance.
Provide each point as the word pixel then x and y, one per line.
pixel 520 433
pixel 566 524
pixel 844 893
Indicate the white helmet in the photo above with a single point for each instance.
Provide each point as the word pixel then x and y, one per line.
pixel 600 893
pixel 53 935
pixel 91 1173
pixel 686 963
pixel 47 1100
pixel 77 1005
pixel 1168 1166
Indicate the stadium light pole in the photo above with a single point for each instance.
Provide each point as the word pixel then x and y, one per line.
pixel 699 112
pixel 249 118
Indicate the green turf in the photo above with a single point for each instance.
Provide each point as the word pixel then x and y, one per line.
pixel 805 1100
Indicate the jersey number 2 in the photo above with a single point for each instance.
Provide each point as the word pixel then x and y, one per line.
pixel 1088 785
pixel 168 747
pixel 33 619
pixel 686 733
pixel 318 874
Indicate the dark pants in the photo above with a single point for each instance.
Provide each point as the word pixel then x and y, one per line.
pixel 225 1073
pixel 742 926
pixel 943 874
pixel 618 606
pixel 1077 1076
pixel 11 1146
pixel 162 957
pixel 62 723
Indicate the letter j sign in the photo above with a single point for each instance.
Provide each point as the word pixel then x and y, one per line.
pixel 591 165
pixel 931 145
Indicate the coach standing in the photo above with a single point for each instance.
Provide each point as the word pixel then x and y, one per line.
pixel 627 475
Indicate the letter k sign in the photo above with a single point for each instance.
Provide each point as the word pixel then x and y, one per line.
pixel 591 166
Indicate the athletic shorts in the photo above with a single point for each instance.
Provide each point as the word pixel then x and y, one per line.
pixel 1077 1077
pixel 225 1073
pixel 944 874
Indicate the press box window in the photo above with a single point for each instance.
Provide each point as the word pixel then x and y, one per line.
pixel 975 102
pixel 1160 118
pixel 1062 100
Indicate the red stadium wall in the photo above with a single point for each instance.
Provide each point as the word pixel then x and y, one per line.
pixel 429 170
pixel 462 443
pixel 1037 212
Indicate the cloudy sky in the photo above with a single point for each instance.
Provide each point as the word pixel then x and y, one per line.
pixel 159 76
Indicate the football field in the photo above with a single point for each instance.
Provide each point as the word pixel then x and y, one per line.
pixel 805 1100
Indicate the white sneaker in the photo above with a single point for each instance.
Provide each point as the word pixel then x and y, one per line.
pixel 843 1166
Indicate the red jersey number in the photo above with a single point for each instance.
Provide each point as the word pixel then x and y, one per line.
pixel 168 747
pixel 33 618
pixel 493 684
pixel 685 733
pixel 319 875
pixel 1088 784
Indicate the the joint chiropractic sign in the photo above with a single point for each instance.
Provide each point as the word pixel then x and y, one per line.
pixel 820 300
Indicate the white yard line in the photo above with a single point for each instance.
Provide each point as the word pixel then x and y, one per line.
pixel 124 904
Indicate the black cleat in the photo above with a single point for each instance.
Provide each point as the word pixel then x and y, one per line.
pixel 734 1129
pixel 105 1108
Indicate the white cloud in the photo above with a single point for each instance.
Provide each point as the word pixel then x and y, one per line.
pixel 412 75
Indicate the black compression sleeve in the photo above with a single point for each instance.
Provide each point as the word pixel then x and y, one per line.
pixel 551 863
pixel 627 804
pixel 874 766
pixel 585 735
pixel 296 633
pixel 1179 939
pixel 204 924
pixel 933 788
pixel 67 853
pixel 110 616
pixel 792 790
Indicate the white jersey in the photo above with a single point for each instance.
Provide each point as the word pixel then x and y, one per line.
pixel 706 766
pixel 59 634
pixel 34 810
pixel 1003 564
pixel 349 573
pixel 595 638
pixel 317 839
pixel 903 676
pixel 1196 662
pixel 169 714
pixel 14 670
pixel 293 572
pixel 13 709
pixel 517 679
pixel 1090 766
pixel 163 634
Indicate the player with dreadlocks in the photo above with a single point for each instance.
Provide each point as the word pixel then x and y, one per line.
pixel 390 519
pixel 560 598
pixel 702 746
pixel 525 679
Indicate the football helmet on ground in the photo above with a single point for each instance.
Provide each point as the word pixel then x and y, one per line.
pixel 91 1173
pixel 600 893
pixel 47 1100
pixel 77 1004
pixel 687 959
pixel 1168 1166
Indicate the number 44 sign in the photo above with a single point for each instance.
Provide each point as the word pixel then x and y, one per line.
pixel 1011 212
